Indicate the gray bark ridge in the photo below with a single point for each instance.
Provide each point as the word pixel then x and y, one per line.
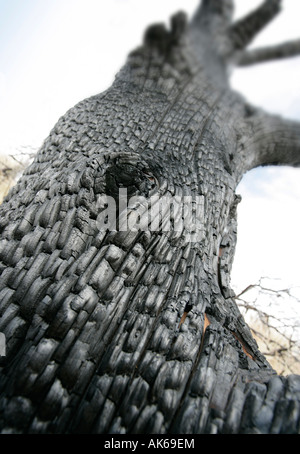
pixel 138 331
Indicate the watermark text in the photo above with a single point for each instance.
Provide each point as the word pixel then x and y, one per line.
pixel 180 214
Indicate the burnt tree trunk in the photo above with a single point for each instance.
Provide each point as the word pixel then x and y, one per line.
pixel 138 331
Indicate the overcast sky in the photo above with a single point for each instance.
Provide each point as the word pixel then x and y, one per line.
pixel 54 53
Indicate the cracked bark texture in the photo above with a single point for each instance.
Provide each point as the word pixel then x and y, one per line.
pixel 139 331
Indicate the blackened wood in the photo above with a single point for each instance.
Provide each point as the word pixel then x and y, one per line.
pixel 139 331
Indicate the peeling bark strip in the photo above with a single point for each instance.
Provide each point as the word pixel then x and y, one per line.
pixel 137 331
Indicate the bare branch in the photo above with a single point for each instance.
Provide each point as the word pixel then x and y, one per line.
pixel 210 24
pixel 266 54
pixel 275 333
pixel 249 287
pixel 272 140
pixel 245 30
pixel 210 9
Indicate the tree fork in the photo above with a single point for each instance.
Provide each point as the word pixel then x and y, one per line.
pixel 138 331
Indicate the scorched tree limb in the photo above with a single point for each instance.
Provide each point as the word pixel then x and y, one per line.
pixel 137 330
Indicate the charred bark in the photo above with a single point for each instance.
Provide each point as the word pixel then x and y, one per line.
pixel 138 331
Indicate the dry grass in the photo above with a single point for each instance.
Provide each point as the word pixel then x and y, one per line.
pixel 10 170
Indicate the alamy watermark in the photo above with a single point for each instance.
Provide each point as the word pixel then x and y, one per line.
pixel 2 345
pixel 182 215
pixel 179 214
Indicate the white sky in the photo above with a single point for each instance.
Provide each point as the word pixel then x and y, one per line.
pixel 53 53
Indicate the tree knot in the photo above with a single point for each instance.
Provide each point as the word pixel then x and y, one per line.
pixel 131 173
